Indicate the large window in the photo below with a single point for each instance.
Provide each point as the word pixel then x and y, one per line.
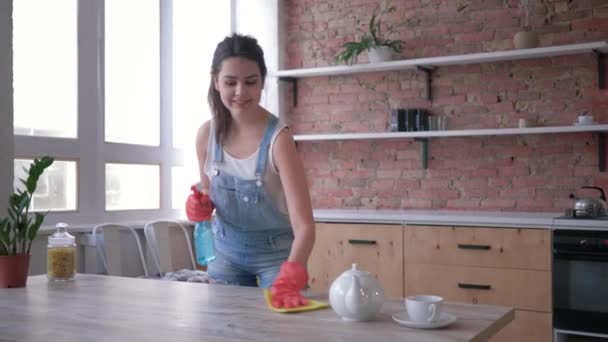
pixel 132 186
pixel 132 72
pixel 193 46
pixel 115 91
pixel 56 188
pixel 44 68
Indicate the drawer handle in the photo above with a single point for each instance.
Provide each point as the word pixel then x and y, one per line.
pixel 477 247
pixel 474 286
pixel 362 242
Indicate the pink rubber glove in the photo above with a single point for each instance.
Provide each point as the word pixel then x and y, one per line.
pixel 198 206
pixel 286 288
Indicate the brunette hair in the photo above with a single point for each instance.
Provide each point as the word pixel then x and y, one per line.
pixel 236 45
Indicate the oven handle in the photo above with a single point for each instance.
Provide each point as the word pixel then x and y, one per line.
pixel 580 255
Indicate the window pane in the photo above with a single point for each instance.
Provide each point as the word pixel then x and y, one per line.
pixel 180 187
pixel 130 186
pixel 56 188
pixel 45 67
pixel 132 55
pixel 193 47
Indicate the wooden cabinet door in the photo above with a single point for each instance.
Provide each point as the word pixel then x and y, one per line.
pixel 520 289
pixel 377 249
pixel 478 246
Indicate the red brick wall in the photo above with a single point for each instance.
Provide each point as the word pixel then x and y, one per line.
pixel 523 173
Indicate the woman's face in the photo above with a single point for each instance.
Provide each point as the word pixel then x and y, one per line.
pixel 240 84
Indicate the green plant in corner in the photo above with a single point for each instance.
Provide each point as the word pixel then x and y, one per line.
pixel 19 229
pixel 373 37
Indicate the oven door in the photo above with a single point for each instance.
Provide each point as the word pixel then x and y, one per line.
pixel 580 281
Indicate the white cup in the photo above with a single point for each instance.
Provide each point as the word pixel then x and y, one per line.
pixel 442 123
pixel 523 123
pixel 433 122
pixel 585 119
pixel 423 308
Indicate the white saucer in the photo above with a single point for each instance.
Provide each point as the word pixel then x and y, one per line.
pixel 583 124
pixel 444 320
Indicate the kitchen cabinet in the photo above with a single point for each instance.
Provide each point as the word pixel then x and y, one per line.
pixel 487 266
pixel 376 248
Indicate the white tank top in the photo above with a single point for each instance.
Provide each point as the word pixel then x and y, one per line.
pixel 245 168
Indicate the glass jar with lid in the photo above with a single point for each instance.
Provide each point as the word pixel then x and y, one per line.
pixel 61 254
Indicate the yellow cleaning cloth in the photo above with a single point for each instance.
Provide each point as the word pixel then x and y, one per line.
pixel 312 305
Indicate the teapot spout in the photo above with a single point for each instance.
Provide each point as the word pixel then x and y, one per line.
pixel 355 296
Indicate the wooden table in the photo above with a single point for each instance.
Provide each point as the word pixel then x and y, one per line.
pixel 104 308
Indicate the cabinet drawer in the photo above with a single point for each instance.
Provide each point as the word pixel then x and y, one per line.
pixel 526 326
pixel 520 289
pixel 471 246
pixel 376 248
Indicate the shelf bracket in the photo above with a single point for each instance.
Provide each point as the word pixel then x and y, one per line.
pixel 601 69
pixel 427 71
pixel 294 88
pixel 601 151
pixel 424 152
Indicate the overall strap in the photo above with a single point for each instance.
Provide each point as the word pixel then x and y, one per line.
pixel 218 152
pixel 263 151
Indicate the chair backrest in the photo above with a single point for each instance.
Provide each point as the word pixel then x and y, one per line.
pixel 168 242
pixel 114 244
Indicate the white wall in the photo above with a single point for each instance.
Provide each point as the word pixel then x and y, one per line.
pixel 6 103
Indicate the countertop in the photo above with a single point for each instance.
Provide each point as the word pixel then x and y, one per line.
pixel 105 308
pixel 508 219
pixel 542 220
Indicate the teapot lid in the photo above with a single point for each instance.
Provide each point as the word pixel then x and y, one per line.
pixel 355 270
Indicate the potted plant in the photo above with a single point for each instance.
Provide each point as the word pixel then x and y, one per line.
pixel 527 38
pixel 372 40
pixel 19 228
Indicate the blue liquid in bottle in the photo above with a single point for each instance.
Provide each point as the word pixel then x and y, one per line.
pixel 203 243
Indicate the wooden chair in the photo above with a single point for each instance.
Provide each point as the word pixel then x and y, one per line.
pixel 114 245
pixel 168 242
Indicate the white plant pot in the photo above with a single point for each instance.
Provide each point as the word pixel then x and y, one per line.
pixel 526 40
pixel 380 54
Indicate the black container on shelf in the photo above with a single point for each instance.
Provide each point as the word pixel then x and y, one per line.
pixel 409 120
pixel 396 120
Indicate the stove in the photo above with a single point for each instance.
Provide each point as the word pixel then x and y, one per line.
pixel 566 217
pixel 579 223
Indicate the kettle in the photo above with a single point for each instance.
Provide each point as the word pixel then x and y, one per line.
pixel 589 207
pixel 356 295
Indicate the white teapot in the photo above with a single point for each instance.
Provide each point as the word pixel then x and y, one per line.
pixel 356 295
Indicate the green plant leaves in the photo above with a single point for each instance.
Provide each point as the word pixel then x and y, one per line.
pixel 19 229
pixel 351 50
pixel 4 236
pixel 36 169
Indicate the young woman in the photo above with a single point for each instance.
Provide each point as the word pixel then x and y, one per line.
pixel 249 166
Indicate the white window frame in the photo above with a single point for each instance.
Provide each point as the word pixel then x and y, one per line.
pixel 91 152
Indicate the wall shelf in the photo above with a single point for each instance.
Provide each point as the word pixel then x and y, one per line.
pixel 430 63
pixel 423 136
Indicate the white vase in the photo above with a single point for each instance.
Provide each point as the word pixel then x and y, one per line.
pixel 525 40
pixel 380 54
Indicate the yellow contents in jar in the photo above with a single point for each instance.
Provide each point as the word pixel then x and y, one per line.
pixel 61 262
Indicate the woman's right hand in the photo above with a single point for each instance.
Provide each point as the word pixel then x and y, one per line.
pixel 198 206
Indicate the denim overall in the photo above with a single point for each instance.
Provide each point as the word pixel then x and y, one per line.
pixel 252 236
